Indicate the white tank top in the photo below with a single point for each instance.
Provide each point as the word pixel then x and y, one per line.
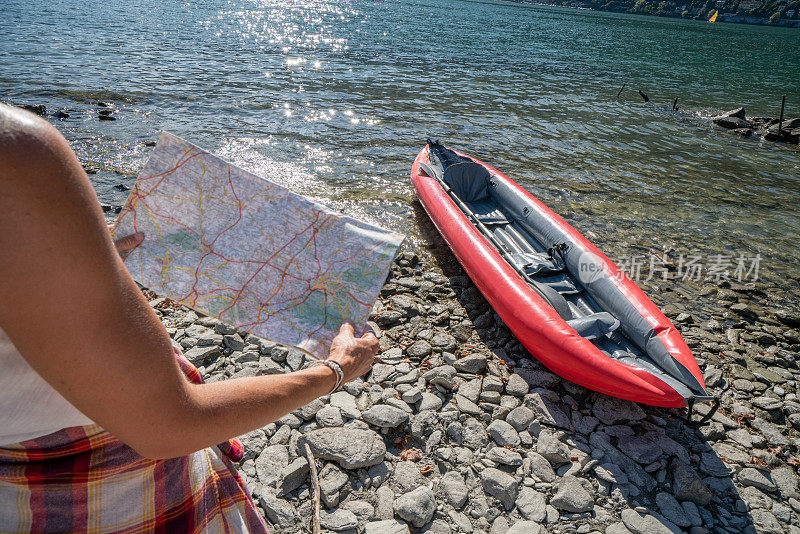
pixel 29 406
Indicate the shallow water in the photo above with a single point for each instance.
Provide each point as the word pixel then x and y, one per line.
pixel 335 98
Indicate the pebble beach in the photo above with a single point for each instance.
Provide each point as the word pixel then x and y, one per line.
pixel 459 429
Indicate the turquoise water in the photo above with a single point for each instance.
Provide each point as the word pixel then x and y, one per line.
pixel 335 98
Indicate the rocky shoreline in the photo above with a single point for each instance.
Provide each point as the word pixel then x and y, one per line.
pixel 458 429
pixel 768 128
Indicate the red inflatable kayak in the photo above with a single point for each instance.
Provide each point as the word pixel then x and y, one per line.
pixel 565 301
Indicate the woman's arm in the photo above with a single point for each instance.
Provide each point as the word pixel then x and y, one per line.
pixel 73 311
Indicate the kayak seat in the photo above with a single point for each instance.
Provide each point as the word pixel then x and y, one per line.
pixel 469 181
pixel 595 325
pixel 487 212
pixel 535 263
pixel 560 282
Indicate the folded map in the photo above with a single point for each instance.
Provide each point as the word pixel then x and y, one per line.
pixel 253 254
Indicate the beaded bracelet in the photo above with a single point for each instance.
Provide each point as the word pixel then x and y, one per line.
pixel 336 369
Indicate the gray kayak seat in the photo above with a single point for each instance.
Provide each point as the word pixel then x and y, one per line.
pixel 595 325
pixel 469 181
pixel 487 212
pixel 536 263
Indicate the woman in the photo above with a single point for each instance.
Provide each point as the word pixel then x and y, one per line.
pixel 100 429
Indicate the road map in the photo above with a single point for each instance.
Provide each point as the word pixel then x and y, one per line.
pixel 250 252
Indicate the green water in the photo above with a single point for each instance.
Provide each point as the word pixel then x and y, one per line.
pixel 335 98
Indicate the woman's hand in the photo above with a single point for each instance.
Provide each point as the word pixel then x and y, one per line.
pixel 125 245
pixel 355 354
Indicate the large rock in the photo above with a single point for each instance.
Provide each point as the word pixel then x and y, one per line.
pixel 524 527
pixel 732 122
pixel 738 113
pixel 455 489
pixel 672 509
pixel 647 524
pixel 388 526
pixel 547 411
pixel 406 476
pixel 541 468
pixel 612 411
pixel 203 355
pixel 571 496
pixel 503 433
pixel 270 463
pixel 520 418
pixel 551 448
pixel 786 481
pixel 279 511
pixel 687 485
pixel 385 416
pixel 758 479
pixel 417 507
pixel 500 485
pixel 293 476
pixel 338 520
pixel 642 449
pixel 471 363
pixel 351 448
pixel 766 522
pixel 531 504
pixel 331 480
pixel 475 436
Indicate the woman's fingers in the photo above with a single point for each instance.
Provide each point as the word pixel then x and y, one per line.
pixel 125 245
pixel 347 330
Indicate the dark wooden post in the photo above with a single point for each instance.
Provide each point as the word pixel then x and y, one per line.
pixel 675 104
pixel 780 121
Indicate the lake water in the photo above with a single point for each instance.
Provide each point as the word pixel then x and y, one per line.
pixel 335 98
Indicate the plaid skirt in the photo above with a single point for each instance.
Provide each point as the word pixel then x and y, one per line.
pixel 83 479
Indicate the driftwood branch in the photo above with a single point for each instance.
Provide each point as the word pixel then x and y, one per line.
pixel 312 465
pixel 644 96
pixel 620 89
